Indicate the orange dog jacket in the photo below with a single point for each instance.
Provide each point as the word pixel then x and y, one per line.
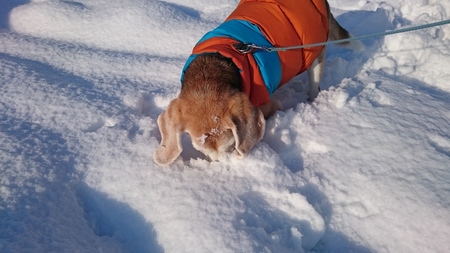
pixel 270 23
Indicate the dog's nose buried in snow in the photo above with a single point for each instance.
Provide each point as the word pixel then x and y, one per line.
pixel 225 94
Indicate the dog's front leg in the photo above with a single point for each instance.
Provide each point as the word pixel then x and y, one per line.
pixel 270 108
pixel 315 74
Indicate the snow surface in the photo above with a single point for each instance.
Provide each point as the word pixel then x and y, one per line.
pixel 365 168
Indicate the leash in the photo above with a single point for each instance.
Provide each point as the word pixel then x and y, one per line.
pixel 246 48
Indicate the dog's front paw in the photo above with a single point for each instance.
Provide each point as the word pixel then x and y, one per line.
pixel 238 155
pixel 313 94
pixel 270 108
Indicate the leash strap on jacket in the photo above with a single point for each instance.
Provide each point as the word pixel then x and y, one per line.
pixel 246 48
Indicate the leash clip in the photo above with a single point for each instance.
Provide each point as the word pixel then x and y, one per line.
pixel 246 48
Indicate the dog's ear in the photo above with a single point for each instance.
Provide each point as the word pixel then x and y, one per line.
pixel 248 129
pixel 171 128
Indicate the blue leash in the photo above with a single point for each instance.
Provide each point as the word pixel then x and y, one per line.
pixel 246 48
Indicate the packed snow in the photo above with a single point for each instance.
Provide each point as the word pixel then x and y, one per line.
pixel 364 168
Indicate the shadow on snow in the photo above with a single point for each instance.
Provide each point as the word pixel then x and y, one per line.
pixel 110 218
pixel 42 211
pixel 5 8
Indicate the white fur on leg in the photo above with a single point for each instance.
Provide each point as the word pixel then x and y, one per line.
pixel 355 45
pixel 314 75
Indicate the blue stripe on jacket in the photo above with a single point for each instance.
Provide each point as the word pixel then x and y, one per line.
pixel 244 31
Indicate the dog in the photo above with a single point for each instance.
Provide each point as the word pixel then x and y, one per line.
pixel 225 94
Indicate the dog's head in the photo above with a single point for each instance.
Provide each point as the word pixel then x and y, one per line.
pixel 217 124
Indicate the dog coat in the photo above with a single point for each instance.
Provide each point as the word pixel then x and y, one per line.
pixel 270 23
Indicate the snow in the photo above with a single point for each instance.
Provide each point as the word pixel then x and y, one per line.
pixel 364 168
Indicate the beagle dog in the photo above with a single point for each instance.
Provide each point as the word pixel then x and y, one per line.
pixel 225 95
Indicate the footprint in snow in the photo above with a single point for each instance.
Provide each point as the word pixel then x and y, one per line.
pixel 375 96
pixel 285 220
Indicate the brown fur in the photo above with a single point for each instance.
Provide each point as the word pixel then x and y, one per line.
pixel 212 110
